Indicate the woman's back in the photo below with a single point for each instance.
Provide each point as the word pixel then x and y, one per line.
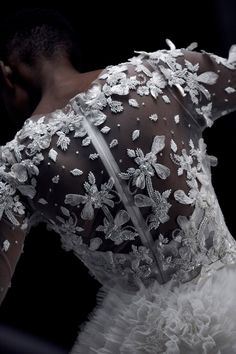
pixel 123 176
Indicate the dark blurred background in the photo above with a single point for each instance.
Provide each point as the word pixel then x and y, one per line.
pixel 52 292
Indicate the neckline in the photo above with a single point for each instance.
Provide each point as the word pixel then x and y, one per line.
pixel 35 117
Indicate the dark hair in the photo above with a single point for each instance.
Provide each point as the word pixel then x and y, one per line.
pixel 32 33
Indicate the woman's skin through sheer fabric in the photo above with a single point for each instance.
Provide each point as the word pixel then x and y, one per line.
pixel 149 113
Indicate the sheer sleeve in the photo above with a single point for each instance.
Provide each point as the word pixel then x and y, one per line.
pixel 216 78
pixel 12 241
pixel 203 82
pixel 13 214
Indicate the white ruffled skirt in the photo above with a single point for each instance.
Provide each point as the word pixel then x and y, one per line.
pixel 192 318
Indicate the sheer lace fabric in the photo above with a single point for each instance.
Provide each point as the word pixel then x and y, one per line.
pixel 122 173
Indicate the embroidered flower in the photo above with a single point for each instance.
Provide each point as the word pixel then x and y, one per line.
pixel 93 199
pixel 206 112
pixel 148 165
pixel 159 204
pixel 68 229
pixel 114 229
pixel 141 261
pixel 185 162
pixel 156 84
pixel 10 204
pixel 63 141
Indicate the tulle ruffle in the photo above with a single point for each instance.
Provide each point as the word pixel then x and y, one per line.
pixel 195 317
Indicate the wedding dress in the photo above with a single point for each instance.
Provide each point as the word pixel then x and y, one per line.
pixel 123 176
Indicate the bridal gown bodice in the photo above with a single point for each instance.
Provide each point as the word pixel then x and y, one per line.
pixel 122 173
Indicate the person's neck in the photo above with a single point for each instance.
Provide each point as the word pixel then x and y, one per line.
pixel 61 83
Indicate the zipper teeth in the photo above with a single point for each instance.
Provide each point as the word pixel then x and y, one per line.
pixel 113 170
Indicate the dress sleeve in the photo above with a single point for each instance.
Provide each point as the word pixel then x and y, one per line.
pixel 203 83
pixel 13 213
pixel 62 161
pixel 215 78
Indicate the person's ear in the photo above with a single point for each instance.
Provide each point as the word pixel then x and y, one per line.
pixel 6 76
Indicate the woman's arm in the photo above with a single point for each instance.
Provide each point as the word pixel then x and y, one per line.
pixel 219 98
pixel 11 246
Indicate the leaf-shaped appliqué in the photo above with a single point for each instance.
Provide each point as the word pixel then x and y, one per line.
pixel 76 172
pixel 135 134
pixel 133 103
pixel 173 145
pixel 182 198
pixel 95 243
pixel 53 155
pixel 105 130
